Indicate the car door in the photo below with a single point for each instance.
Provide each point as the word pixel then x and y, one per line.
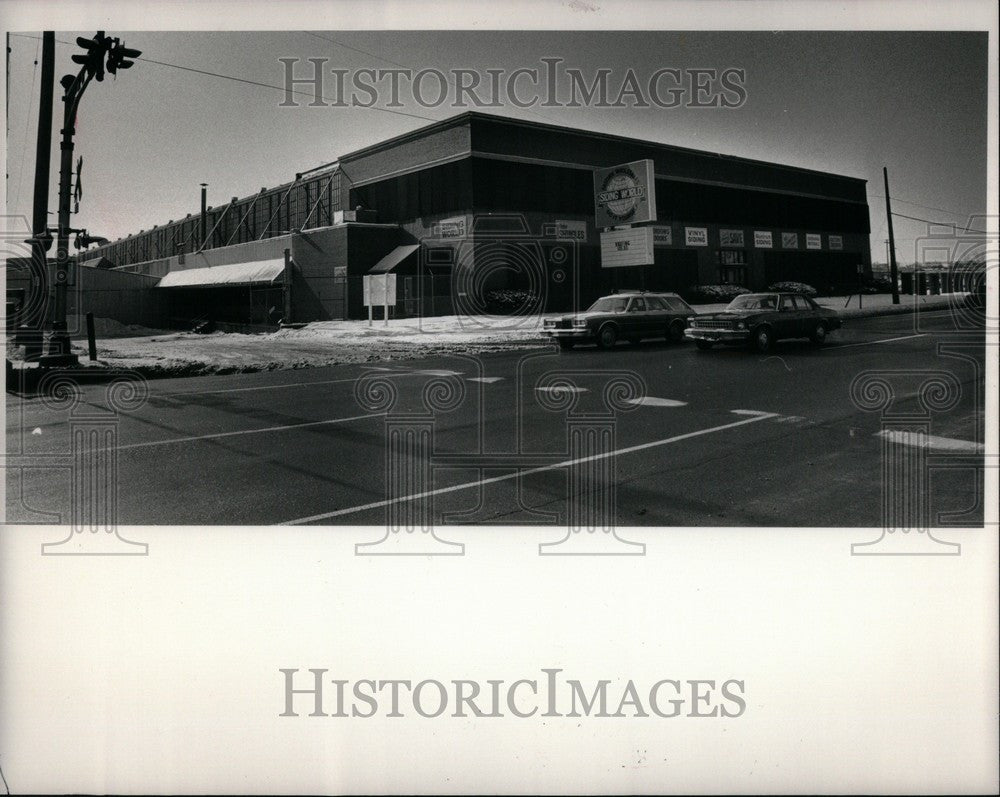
pixel 635 317
pixel 787 319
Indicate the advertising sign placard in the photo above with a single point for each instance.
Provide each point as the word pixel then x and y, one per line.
pixel 789 240
pixel 451 228
pixel 571 230
pixel 730 237
pixel 814 241
pixel 624 194
pixel 379 290
pixel 663 236
pixel 696 236
pixel 631 247
pixel 835 241
pixel 762 239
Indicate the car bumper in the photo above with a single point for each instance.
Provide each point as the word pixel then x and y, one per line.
pixel 567 334
pixel 718 335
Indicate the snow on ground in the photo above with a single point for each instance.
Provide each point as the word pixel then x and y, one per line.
pixel 319 343
pixel 170 353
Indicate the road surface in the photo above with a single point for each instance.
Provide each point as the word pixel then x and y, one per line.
pixel 720 438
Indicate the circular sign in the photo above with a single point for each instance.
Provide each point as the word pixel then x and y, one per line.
pixel 621 193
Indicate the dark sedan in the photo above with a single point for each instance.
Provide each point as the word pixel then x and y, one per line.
pixel 760 319
pixel 630 316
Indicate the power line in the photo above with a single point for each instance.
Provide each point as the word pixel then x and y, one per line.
pixel 939 223
pixel 917 204
pixel 27 122
pixel 252 82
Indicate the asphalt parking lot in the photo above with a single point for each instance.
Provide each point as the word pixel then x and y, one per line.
pixel 720 438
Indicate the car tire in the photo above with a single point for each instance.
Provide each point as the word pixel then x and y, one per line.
pixel 675 332
pixel 607 336
pixel 818 335
pixel 703 345
pixel 566 345
pixel 763 339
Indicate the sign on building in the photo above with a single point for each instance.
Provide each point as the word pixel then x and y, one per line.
pixel 624 194
pixel 730 237
pixel 571 230
pixel 663 236
pixel 631 247
pixel 814 241
pixel 452 228
pixel 836 241
pixel 696 236
pixel 789 240
pixel 762 239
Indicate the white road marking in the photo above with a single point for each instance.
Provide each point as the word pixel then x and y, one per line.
pixel 561 389
pixel 528 472
pixel 754 412
pixel 438 372
pixel 653 401
pixel 875 342
pixel 486 380
pixel 917 439
pixel 216 435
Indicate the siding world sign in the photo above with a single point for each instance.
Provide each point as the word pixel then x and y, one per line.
pixel 625 194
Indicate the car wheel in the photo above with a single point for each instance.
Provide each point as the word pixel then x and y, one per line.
pixel 675 332
pixel 565 345
pixel 819 335
pixel 704 345
pixel 607 336
pixel 762 339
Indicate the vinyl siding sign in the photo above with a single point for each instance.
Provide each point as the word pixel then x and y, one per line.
pixel 624 194
pixel 762 239
pixel 696 236
pixel 632 247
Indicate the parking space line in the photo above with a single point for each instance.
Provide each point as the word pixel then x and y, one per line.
pixel 216 435
pixel 875 342
pixel 518 473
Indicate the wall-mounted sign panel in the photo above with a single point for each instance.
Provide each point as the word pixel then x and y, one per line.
pixel 789 240
pixel 731 238
pixel 663 236
pixel 625 194
pixel 571 230
pixel 835 241
pixel 696 236
pixel 814 241
pixel 631 247
pixel 762 239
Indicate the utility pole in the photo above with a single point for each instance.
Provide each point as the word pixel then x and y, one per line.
pixel 893 271
pixel 203 224
pixel 40 240
pixel 60 351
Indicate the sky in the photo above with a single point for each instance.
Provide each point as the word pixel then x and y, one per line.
pixel 844 102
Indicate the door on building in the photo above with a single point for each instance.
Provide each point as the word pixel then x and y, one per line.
pixel 732 265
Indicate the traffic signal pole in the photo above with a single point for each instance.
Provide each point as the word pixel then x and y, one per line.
pixel 60 349
pixel 93 65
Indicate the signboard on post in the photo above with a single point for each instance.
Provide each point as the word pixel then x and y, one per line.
pixel 624 194
pixel 379 289
pixel 629 247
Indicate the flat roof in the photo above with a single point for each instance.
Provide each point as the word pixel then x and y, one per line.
pixel 469 116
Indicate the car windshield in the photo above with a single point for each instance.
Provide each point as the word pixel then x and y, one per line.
pixel 609 304
pixel 754 301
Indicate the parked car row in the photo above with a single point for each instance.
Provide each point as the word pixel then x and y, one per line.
pixel 754 319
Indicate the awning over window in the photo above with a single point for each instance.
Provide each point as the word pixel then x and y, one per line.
pixel 259 271
pixel 393 259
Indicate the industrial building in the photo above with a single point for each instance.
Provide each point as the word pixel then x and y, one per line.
pixel 478 203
